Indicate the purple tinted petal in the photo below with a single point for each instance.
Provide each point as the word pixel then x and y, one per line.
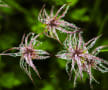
pixel 97 50
pixel 91 42
pixel 32 65
pixel 60 10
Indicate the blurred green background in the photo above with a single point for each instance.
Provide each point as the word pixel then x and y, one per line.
pixel 21 17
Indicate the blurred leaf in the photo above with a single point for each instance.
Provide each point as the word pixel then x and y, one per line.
pixel 104 41
pixel 96 10
pixel 7 40
pixel 3 4
pixel 32 19
pixel 85 75
pixel 6 10
pixel 48 87
pixel 72 2
pixel 79 14
pixel 35 25
pixel 61 2
pixel 2 65
pixel 4 7
pixel 15 5
pixel 38 28
pixel 103 24
pixel 105 50
pixel 45 45
pixel 61 62
pixel 8 80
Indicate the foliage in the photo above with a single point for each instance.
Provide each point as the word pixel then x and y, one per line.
pixel 21 17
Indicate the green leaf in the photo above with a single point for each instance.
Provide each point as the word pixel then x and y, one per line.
pixel 72 2
pixel 3 4
pixel 61 2
pixel 7 41
pixel 62 63
pixel 45 45
pixel 104 50
pixel 15 5
pixel 2 65
pixel 80 15
pixel 48 87
pixel 103 24
pixel 8 80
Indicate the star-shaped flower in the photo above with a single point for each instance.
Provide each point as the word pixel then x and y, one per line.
pixel 28 52
pixel 55 22
pixel 82 60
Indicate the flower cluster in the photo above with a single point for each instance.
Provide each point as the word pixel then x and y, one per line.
pixel 28 52
pixel 77 52
pixel 55 22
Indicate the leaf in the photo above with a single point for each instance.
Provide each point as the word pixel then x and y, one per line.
pixel 7 40
pixel 80 15
pixel 103 24
pixel 72 2
pixel 8 80
pixel 15 5
pixel 61 2
pixel 61 62
pixel 45 45
pixel 3 4
pixel 2 65
pixel 104 50
pixel 48 87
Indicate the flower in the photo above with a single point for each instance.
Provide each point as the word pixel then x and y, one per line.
pixel 54 22
pixel 82 60
pixel 28 52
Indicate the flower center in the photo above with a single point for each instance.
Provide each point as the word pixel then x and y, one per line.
pixel 53 23
pixel 29 51
pixel 77 52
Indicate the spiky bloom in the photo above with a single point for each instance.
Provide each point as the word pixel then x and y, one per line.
pixel 82 60
pixel 55 22
pixel 28 52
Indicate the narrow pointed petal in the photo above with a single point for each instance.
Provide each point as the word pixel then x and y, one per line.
pixel 26 39
pixel 26 68
pixel 65 31
pixel 97 50
pixel 40 16
pixel 41 52
pixel 42 57
pixel 52 11
pixel 66 56
pixel 13 48
pixel 79 66
pixel 60 10
pixel 91 42
pixel 32 65
pixel 63 14
pixel 57 38
pixel 11 54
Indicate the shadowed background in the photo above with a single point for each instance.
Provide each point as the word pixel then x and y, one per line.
pixel 21 17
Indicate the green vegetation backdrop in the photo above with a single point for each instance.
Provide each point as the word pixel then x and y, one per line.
pixel 21 17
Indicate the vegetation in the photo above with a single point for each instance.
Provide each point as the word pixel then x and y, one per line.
pixel 21 16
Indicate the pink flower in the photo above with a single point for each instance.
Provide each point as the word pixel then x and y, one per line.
pixel 54 22
pixel 82 60
pixel 28 52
